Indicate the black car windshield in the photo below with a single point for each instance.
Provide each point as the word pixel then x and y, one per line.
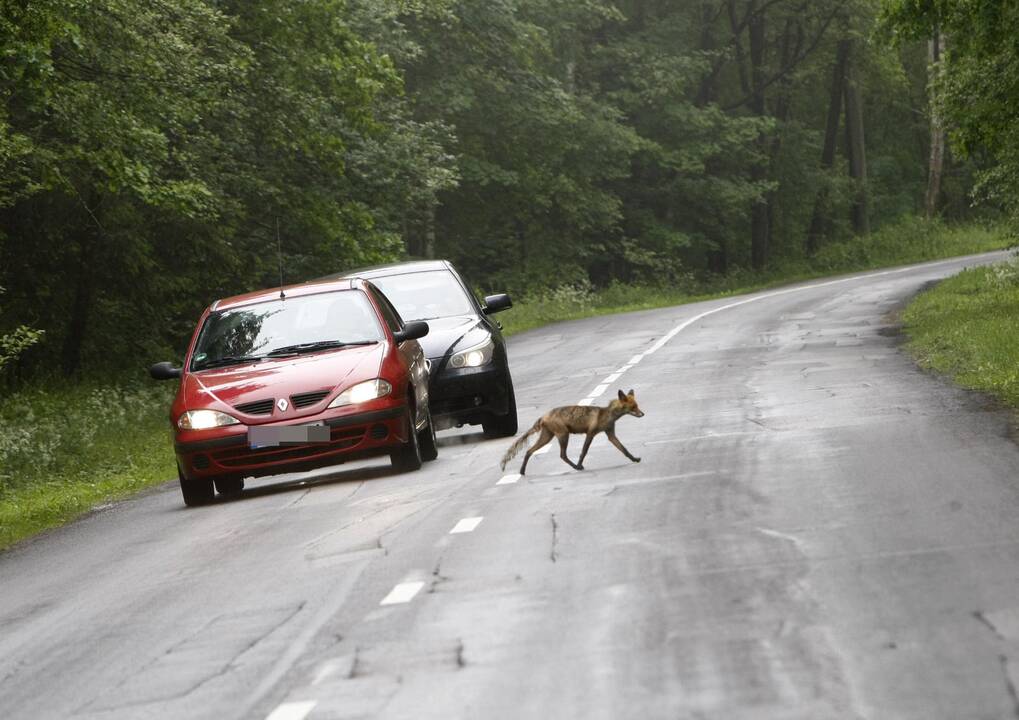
pixel 290 326
pixel 425 295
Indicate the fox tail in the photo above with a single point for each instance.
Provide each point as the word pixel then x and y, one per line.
pixel 519 443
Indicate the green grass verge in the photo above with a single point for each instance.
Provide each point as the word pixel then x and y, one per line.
pixel 65 450
pixel 968 328
pixel 908 241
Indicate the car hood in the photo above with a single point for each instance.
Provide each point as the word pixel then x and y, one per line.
pixel 281 378
pixel 451 334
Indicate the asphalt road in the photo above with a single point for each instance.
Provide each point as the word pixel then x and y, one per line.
pixel 817 530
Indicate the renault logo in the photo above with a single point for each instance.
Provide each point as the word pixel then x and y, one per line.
pixel 282 404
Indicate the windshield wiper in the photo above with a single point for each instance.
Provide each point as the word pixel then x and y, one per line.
pixel 227 360
pixel 315 347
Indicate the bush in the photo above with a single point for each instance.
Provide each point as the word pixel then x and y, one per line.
pixel 75 433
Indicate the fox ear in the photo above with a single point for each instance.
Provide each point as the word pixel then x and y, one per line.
pixel 621 395
pixel 630 393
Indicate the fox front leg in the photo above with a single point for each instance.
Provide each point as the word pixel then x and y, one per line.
pixel 615 441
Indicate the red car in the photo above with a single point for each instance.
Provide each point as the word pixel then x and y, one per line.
pixel 294 379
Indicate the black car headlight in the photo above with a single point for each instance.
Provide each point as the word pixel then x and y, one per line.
pixel 474 356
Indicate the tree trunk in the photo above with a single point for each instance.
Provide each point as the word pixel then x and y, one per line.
pixel 856 149
pixel 77 322
pixel 709 83
pixel 429 245
pixel 759 223
pixel 935 169
pixel 717 257
pixel 820 222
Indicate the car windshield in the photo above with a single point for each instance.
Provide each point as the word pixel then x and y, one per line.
pixel 426 295
pixel 288 326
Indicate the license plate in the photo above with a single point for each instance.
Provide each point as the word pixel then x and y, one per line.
pixel 274 436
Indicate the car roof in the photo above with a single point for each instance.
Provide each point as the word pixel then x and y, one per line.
pixel 401 268
pixel 313 287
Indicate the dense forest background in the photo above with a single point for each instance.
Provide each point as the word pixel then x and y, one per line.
pixel 152 152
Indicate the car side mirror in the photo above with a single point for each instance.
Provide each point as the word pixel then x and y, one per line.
pixel 411 331
pixel 497 303
pixel 164 371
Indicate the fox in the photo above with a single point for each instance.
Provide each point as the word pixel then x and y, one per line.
pixel 576 419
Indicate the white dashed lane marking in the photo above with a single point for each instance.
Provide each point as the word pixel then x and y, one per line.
pixel 508 479
pixel 402 593
pixel 292 711
pixel 466 525
pixel 598 391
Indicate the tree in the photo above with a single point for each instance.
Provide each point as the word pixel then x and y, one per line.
pixel 978 88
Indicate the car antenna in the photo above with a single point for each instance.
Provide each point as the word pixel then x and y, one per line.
pixel 279 251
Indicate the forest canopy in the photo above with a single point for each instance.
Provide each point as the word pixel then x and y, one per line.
pixel 154 153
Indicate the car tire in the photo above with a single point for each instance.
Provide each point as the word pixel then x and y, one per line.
pixel 497 426
pixel 426 441
pixel 408 457
pixel 229 486
pixel 196 491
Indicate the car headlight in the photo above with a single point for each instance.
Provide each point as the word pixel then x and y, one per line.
pixel 204 419
pixel 362 392
pixel 475 356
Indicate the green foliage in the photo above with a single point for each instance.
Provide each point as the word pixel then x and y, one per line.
pixel 68 448
pixel 153 153
pixel 907 241
pixel 968 327
pixel 981 85
pixel 15 342
pixel 172 141
pixel 911 239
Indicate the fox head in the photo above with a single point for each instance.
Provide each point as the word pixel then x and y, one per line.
pixel 629 404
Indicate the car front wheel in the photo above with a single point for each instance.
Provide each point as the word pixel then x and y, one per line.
pixel 196 491
pixel 408 457
pixel 426 440
pixel 497 426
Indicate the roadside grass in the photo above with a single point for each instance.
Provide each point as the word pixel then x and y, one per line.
pixel 911 240
pixel 968 328
pixel 65 449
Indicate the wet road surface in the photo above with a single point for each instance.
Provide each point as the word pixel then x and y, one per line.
pixel 816 530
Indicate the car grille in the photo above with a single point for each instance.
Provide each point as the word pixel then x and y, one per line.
pixel 307 399
pixel 340 439
pixel 259 407
pixel 450 406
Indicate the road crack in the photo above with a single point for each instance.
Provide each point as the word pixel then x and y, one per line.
pixel 1009 685
pixel 437 576
pixel 982 619
pixel 555 539
pixel 355 664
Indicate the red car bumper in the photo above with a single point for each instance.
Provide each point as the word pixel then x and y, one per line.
pixel 351 436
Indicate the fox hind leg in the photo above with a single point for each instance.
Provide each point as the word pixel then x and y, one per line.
pixel 543 440
pixel 564 440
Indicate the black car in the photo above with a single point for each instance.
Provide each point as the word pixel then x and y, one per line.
pixel 470 377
